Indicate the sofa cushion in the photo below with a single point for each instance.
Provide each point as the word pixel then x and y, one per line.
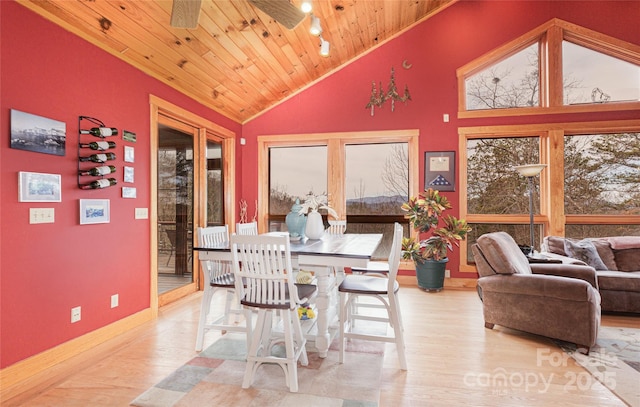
pixel 503 253
pixel 627 260
pixel 586 251
pixel 555 244
pixel 606 254
pixel 619 281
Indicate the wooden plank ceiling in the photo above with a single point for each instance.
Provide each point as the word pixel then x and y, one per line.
pixel 238 60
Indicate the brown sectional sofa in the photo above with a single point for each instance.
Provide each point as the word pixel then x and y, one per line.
pixel 616 261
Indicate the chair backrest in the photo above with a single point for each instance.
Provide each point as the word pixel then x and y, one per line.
pixel 265 278
pixel 213 236
pixel 250 228
pixel 395 255
pixel 337 227
pixel 497 252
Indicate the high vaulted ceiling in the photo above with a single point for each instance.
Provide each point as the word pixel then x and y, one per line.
pixel 238 60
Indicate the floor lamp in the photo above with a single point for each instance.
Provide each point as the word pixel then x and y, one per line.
pixel 529 171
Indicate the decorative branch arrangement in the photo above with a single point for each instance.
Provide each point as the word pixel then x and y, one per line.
pixel 378 98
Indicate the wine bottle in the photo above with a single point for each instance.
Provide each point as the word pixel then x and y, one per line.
pixel 98 158
pixel 101 132
pixel 99 145
pixel 100 183
pixel 99 171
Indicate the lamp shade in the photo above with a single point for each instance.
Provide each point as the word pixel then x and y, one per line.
pixel 530 170
pixel 324 47
pixel 315 28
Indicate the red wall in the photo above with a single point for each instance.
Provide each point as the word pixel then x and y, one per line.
pixel 436 48
pixel 46 269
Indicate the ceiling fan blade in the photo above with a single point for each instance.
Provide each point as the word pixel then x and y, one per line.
pixel 185 13
pixel 282 11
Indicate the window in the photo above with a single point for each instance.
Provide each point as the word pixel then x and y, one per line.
pixel 593 77
pixel 556 68
pixel 366 175
pixel 589 189
pixel 511 82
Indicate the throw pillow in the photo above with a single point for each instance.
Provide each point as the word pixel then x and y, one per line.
pixel 586 251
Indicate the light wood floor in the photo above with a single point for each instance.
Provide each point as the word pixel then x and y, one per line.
pixel 452 359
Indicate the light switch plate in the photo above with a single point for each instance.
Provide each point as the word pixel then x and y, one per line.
pixel 41 215
pixel 142 213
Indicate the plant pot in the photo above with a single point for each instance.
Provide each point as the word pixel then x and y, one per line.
pixel 430 274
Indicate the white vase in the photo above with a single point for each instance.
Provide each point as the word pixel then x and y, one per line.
pixel 314 228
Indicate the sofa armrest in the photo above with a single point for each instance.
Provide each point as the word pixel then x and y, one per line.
pixel 539 285
pixel 585 273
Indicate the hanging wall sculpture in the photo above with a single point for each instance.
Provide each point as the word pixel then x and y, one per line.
pixel 378 98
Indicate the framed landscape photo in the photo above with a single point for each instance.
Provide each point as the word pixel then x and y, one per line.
pixel 94 211
pixel 440 170
pixel 36 133
pixel 39 187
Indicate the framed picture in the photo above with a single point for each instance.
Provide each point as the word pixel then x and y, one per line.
pixel 128 174
pixel 39 187
pixel 36 133
pixel 94 211
pixel 440 170
pixel 129 154
pixel 128 192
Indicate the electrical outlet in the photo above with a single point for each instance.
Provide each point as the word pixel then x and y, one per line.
pixel 75 314
pixel 41 215
pixel 447 273
pixel 114 300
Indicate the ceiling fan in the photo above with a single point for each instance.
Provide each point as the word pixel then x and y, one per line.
pixel 185 13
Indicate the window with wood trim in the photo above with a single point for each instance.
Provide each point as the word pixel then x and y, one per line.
pixel 558 67
pixel 366 175
pixel 589 188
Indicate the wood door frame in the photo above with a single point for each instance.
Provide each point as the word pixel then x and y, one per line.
pixel 207 131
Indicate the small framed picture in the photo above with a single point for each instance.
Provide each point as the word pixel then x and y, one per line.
pixel 128 174
pixel 94 211
pixel 129 154
pixel 440 170
pixel 39 187
pixel 128 192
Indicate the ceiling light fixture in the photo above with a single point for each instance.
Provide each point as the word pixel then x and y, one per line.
pixel 324 47
pixel 306 6
pixel 315 28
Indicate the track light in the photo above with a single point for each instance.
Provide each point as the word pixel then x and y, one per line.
pixel 315 28
pixel 324 47
pixel 306 6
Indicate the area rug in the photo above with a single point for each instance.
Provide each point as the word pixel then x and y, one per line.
pixel 214 378
pixel 614 361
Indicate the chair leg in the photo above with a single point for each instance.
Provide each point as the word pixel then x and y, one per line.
pixel 398 330
pixel 205 306
pixel 291 370
pixel 252 353
pixel 343 323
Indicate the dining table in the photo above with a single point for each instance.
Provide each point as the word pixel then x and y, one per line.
pixel 321 256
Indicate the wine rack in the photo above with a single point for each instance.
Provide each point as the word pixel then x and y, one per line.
pixel 94 155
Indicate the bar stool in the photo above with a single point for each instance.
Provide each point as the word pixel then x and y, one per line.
pixel 383 289
pixel 218 276
pixel 269 287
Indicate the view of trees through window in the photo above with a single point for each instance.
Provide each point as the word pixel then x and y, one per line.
pixel 601 169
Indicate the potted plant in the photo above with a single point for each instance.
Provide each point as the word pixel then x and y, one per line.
pixel 425 212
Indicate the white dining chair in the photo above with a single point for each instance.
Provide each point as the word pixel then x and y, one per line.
pixel 383 289
pixel 218 276
pixel 250 228
pixel 263 263
pixel 337 227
